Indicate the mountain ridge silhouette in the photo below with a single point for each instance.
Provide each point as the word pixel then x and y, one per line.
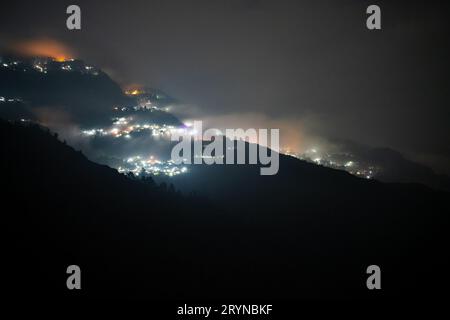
pixel 137 239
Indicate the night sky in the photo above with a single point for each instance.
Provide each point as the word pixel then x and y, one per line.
pixel 309 67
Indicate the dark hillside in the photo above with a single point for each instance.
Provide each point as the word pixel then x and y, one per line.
pixel 308 232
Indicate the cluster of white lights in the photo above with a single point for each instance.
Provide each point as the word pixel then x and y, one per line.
pixel 122 128
pixel 40 67
pixel 126 131
pixel 7 65
pixel 146 106
pixel 328 160
pixel 5 99
pixel 93 132
pixel 152 166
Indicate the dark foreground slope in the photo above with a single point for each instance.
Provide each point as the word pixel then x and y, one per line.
pixel 308 232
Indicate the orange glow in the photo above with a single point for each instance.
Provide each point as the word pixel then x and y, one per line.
pixel 44 48
pixel 133 89
pixel 61 58
pixel 134 92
